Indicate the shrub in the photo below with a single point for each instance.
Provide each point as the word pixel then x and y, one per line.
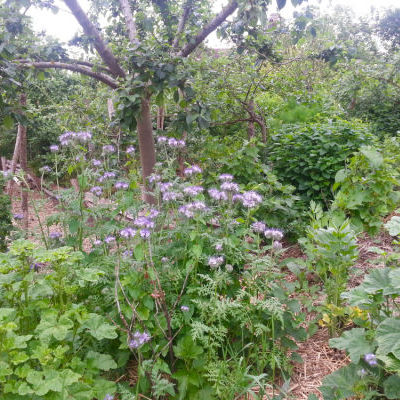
pixel 309 156
pixel 367 189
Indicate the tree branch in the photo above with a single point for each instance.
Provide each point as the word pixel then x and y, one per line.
pixel 90 30
pixel 182 23
pixel 210 27
pixel 71 67
pixel 91 65
pixel 130 23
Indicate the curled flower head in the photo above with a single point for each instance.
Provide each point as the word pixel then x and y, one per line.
pixel 46 169
pixel 194 169
pixel 172 142
pixel 171 196
pixel 226 177
pixel 97 242
pixel 217 195
pixel 121 185
pixel 83 136
pixel 277 245
pixel 184 308
pixel 237 198
pixel 193 190
pixel 230 187
pixel 370 359
pixel 154 213
pixel 67 138
pixel 96 163
pixel 96 190
pixel 154 178
pixel 251 199
pixel 127 254
pixel 215 261
pixel 145 233
pixel 55 235
pixel 274 234
pixel 189 210
pixel 164 260
pixel 108 397
pixel 18 216
pixel 139 339
pixel 144 222
pixel 130 150
pixel 218 247
pixel 165 186
pixel 258 227
pixel 109 239
pixel 162 139
pixel 229 267
pixel 108 149
pixel 127 232
pixel 54 148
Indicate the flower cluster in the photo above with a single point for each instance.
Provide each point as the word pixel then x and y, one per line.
pixel 217 195
pixel 230 187
pixel 215 261
pixel 130 150
pixel 96 163
pixel 194 169
pixel 138 340
pixel 189 210
pixel 226 177
pixel 108 149
pixel 275 234
pixel 177 144
pixel 96 190
pixel 258 227
pixel 18 216
pixel 54 148
pixel 127 232
pixel 184 308
pixel 55 235
pixel 68 138
pixel 370 359
pixel 193 190
pixel 251 199
pixel 121 185
pixel 107 175
pixel 109 239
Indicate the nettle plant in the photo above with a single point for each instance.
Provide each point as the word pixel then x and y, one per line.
pixel 51 344
pixel 373 345
pixel 202 308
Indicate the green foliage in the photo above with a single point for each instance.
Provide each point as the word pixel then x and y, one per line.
pixel 367 189
pixel 376 339
pixel 309 156
pixel 5 216
pixel 48 340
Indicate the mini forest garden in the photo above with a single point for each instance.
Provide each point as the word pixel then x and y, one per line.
pixel 184 222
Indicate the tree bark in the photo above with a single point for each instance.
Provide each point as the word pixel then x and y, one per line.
pixel 250 126
pixel 23 159
pixel 146 147
pixel 160 118
pixel 129 21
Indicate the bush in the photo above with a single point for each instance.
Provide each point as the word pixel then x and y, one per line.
pixel 5 216
pixel 367 189
pixel 308 156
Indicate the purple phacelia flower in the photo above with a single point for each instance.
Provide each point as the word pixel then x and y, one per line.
pixel 165 186
pixel 251 199
pixel 54 148
pixel 154 213
pixel 67 138
pixel 121 185
pixel 97 242
pixel 83 136
pixel 127 232
pixel 139 339
pixel 162 139
pixel 277 245
pixel 108 149
pixel 145 233
pixel 188 210
pixel 96 163
pixel 108 397
pixel 127 254
pixel 144 222
pixel 230 187
pixel 274 234
pixel 18 216
pixel 96 190
pixel 258 227
pixel 193 190
pixel 370 359
pixel 171 196
pixel 184 308
pixel 194 169
pixel 237 198
pixel 218 247
pixel 109 239
pixel 154 178
pixel 55 235
pixel 46 169
pixel 226 177
pixel 130 150
pixel 217 194
pixel 215 261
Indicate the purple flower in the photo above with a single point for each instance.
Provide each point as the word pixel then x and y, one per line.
pixel 275 234
pixel 108 149
pixel 127 253
pixel 162 139
pixel 96 190
pixel 181 144
pixel 193 190
pixel 230 186
pixel 258 227
pixel 121 185
pixel 154 213
pixel 226 177
pixel 144 222
pixel 164 260
pixel 251 199
pixel 46 169
pixel 18 216
pixel 277 245
pixel 154 178
pixel 127 232
pixel 237 198
pixel 171 196
pixel 109 239
pixel 96 163
pixel 215 262
pixel 184 308
pixel 188 210
pixel 194 169
pixel 54 148
pixel 108 397
pixel 97 242
pixel 165 186
pixel 217 194
pixel 83 136
pixel 370 359
pixel 80 158
pixel 139 339
pixel 145 233
pixel 130 150
pixel 229 267
pixel 55 235
pixel 67 138
pixel 218 247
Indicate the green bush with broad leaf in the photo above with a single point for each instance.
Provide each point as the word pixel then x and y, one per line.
pixel 308 156
pixel 367 189
pixel 51 345
pixel 373 345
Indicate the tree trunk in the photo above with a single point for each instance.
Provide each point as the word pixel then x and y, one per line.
pixel 23 159
pixel 250 126
pixel 160 118
pixel 146 147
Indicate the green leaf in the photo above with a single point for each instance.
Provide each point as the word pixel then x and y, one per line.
pixel 379 280
pixel 340 384
pixel 373 156
pixel 99 328
pixel 8 121
pixel 391 387
pixel 388 337
pixel 187 349
pixel 103 362
pixel 354 342
pixel 393 226
pixel 341 175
